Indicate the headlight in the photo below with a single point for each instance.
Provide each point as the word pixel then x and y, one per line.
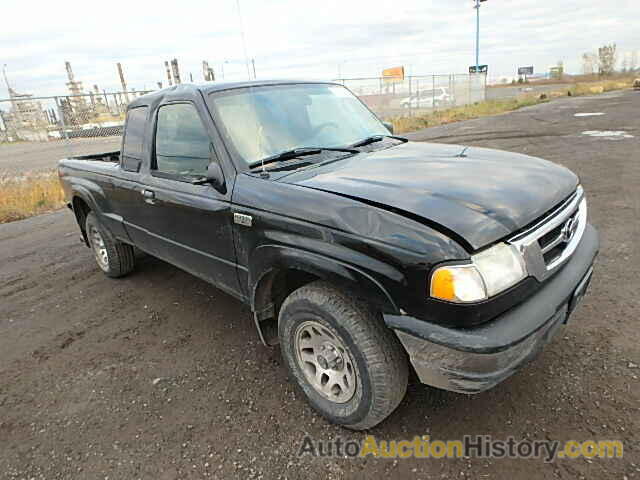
pixel 489 273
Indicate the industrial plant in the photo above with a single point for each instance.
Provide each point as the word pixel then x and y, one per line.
pixel 80 113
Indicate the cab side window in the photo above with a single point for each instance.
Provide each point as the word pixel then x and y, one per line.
pixel 182 146
pixel 133 138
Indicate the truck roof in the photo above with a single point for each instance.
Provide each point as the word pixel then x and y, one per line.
pixel 207 88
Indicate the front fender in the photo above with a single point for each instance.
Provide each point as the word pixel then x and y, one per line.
pixel 269 262
pixel 268 259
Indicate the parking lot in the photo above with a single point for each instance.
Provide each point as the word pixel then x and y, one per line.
pixel 159 375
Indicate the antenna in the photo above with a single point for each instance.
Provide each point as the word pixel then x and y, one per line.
pixel 264 172
pixel 244 43
pixel 463 153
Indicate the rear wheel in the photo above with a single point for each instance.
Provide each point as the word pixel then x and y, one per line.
pixel 114 258
pixel 348 363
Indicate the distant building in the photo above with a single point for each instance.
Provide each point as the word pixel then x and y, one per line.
pixel 556 71
pixel 26 119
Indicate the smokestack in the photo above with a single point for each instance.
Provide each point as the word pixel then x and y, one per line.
pixel 176 71
pixel 205 70
pixel 69 72
pixel 166 66
pixel 124 85
pixel 6 80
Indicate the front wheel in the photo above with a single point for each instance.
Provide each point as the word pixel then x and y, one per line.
pixel 349 365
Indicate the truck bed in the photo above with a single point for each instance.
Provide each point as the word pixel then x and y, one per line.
pixel 106 163
pixel 103 157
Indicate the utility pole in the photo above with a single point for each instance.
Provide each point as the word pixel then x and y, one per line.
pixel 253 64
pixel 477 7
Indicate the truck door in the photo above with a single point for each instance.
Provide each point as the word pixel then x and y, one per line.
pixel 185 224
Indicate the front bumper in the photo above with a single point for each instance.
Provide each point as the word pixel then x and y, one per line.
pixel 475 359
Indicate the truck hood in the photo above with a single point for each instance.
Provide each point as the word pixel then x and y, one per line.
pixel 481 195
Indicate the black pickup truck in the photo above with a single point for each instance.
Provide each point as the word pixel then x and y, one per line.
pixel 362 254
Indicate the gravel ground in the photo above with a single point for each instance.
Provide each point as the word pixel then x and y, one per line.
pixel 159 375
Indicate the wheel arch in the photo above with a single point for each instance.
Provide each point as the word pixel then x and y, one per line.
pixel 82 203
pixel 281 270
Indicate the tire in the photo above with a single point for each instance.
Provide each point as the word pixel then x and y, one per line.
pixel 377 379
pixel 114 258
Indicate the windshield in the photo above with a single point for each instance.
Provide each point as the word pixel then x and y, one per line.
pixel 267 120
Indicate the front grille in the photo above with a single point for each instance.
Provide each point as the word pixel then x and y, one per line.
pixel 551 241
pixel 548 238
pixel 553 254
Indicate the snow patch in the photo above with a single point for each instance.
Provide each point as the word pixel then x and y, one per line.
pixel 610 134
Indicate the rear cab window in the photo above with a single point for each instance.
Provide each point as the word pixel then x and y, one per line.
pixel 134 138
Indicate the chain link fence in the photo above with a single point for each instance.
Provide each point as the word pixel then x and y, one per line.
pixel 30 118
pixel 417 95
pixel 35 132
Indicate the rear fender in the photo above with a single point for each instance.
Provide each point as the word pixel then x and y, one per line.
pixel 96 199
pixel 83 195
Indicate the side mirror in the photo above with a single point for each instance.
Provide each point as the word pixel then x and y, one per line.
pixel 215 177
pixel 389 126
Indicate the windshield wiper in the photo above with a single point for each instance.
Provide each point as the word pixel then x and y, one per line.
pixel 374 139
pixel 298 152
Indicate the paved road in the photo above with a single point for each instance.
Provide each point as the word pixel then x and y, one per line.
pixel 23 157
pixel 80 353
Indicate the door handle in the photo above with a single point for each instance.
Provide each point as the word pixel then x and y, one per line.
pixel 149 196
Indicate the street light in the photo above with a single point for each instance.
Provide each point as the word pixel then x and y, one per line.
pixel 477 7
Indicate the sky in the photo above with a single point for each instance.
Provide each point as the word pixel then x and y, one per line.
pixel 297 39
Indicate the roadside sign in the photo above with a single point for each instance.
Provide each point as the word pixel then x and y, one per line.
pixel 525 70
pixel 393 75
pixel 482 69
